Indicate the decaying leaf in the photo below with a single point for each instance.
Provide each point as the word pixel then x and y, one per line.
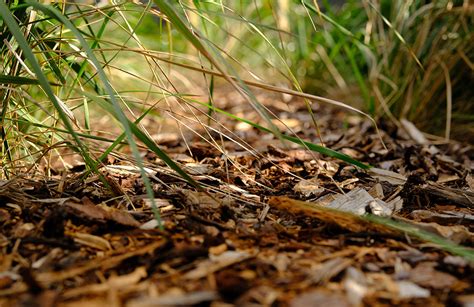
pixel 308 187
pixel 89 211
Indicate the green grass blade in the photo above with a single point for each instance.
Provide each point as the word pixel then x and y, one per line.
pixel 46 50
pixel 456 249
pixel 6 79
pixel 359 78
pixel 315 10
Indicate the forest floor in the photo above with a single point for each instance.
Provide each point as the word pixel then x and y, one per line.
pixel 261 233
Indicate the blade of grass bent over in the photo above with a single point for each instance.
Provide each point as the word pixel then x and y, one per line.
pixel 271 88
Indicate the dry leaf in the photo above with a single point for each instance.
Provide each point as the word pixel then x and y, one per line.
pixel 89 211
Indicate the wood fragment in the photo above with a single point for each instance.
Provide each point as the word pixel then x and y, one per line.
pixel 345 220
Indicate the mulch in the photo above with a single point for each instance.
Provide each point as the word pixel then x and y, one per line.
pixel 274 225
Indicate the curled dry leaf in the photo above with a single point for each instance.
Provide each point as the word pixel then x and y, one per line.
pixel 308 187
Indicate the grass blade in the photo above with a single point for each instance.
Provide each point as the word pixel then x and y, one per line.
pixel 6 79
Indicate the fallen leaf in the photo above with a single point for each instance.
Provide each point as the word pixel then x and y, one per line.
pixel 89 240
pixel 308 187
pixel 113 282
pixel 89 211
pixel 388 176
pixel 181 299
pixel 413 132
pixel 327 270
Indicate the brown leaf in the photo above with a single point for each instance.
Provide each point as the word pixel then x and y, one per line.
pixel 121 217
pixel 89 211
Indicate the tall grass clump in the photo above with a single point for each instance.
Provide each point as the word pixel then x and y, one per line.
pixel 54 89
pixel 40 60
pixel 404 59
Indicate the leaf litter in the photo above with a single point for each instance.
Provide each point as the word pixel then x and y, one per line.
pixel 275 225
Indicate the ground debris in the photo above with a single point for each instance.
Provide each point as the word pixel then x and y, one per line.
pixel 274 225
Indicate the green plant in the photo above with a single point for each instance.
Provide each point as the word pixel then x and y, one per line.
pixel 407 59
pixel 41 30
